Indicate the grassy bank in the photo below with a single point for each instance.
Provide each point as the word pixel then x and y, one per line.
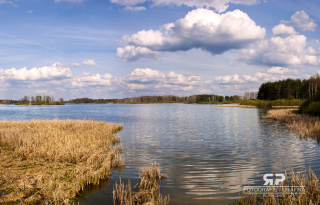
pixel 51 161
pixel 147 191
pixel 271 104
pixel 306 125
pixel 306 179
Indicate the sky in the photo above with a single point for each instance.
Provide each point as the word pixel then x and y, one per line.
pixel 125 48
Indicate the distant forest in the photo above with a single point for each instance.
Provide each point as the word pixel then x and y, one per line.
pixel 212 99
pixel 39 100
pixel 290 89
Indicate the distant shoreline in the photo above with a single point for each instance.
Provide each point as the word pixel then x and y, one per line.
pixel 150 103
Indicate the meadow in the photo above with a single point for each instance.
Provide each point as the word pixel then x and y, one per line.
pixel 52 161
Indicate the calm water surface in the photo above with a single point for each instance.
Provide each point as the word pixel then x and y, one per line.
pixel 208 152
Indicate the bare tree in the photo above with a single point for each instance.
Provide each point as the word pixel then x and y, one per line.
pixel 247 95
pixel 25 100
pixel 253 95
pixel 314 82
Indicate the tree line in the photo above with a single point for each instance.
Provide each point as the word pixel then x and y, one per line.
pixel 39 100
pixel 205 98
pixel 8 101
pixel 290 89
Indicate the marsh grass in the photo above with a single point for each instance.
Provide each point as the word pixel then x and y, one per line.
pixel 148 189
pixel 307 179
pixel 305 125
pixel 52 161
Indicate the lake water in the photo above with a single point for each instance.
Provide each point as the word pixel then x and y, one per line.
pixel 208 152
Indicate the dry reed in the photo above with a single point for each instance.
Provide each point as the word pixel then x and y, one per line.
pixel 148 190
pixel 306 125
pixel 307 179
pixel 52 161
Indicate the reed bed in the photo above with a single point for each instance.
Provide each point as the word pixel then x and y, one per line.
pixel 307 179
pixel 50 162
pixel 148 190
pixel 305 125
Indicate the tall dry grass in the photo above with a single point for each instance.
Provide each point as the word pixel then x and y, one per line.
pixel 148 190
pixel 307 179
pixel 51 161
pixel 306 125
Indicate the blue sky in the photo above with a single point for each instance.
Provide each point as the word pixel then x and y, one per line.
pixel 123 48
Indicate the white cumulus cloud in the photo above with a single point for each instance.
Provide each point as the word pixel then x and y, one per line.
pixel 227 79
pixel 279 51
pixel 271 74
pixel 146 78
pixel 277 70
pixel 219 5
pixel 135 8
pixel 282 29
pixel 145 75
pixel 75 64
pixel 89 63
pixel 301 20
pixel 93 80
pixel 200 28
pixel 132 53
pixel 180 79
pixel 56 71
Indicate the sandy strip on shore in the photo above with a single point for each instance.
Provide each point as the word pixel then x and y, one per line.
pixel 247 106
pixel 286 107
pixel 252 106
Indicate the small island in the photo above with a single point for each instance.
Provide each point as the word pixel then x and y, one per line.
pixel 39 100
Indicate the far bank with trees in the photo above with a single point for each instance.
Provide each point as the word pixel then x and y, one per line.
pixel 39 100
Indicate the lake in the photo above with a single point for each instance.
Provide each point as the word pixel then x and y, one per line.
pixel 208 152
